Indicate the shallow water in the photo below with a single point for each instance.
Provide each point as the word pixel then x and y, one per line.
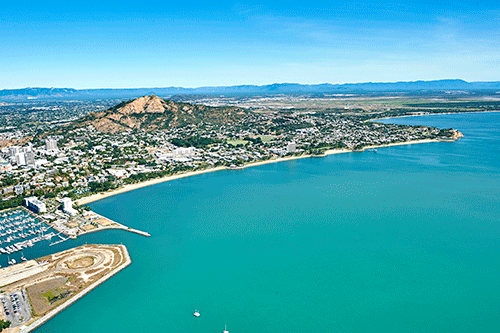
pixel 404 239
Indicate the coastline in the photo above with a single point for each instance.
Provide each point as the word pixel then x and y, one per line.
pixel 131 187
pixel 429 114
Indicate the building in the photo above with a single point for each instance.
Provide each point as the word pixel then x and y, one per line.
pixel 14 150
pixel 29 156
pixel 118 173
pixel 50 144
pixel 68 206
pixel 20 159
pixel 18 189
pixel 291 147
pixel 35 205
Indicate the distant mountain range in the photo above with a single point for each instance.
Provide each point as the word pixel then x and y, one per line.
pixel 276 88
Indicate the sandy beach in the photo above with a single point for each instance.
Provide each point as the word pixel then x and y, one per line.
pixel 132 187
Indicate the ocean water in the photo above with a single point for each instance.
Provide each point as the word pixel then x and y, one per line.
pixel 405 239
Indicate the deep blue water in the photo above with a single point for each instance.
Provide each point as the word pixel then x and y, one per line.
pixel 405 239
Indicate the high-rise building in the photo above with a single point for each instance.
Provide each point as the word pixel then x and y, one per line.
pixel 20 159
pixel 30 158
pixel 68 206
pixel 29 147
pixel 14 150
pixel 50 144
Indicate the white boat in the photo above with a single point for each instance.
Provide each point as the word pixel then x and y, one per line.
pixel 196 313
pixel 225 329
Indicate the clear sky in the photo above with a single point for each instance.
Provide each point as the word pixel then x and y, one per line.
pixel 108 43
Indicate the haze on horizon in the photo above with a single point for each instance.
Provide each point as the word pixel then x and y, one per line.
pixel 95 44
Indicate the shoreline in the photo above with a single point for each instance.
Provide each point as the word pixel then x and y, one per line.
pixel 131 187
pixel 430 114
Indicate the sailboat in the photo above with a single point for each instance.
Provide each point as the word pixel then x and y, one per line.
pixel 225 329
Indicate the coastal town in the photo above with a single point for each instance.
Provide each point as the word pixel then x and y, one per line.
pixel 74 162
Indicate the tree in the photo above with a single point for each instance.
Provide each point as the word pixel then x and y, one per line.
pixel 4 324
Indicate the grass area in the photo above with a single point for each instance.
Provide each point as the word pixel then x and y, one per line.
pixel 50 294
pixel 237 142
pixel 366 103
pixel 81 262
pixel 266 138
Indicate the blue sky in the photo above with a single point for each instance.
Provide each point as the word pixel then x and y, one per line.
pixel 89 44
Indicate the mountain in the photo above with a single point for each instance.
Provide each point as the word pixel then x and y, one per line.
pixel 276 88
pixel 30 93
pixel 154 113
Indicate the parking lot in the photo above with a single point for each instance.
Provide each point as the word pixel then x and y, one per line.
pixel 16 307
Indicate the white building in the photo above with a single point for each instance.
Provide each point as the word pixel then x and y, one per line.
pixel 14 150
pixel 291 147
pixel 181 152
pixel 118 173
pixel 68 206
pixel 177 153
pixel 36 205
pixel 50 144
pixel 20 159
pixel 30 158
pixel 18 189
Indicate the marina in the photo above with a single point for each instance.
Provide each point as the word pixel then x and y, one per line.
pixel 20 230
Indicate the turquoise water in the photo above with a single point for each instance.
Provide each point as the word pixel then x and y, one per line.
pixel 405 239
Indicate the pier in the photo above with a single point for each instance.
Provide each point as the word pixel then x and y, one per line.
pixel 62 239
pixel 143 233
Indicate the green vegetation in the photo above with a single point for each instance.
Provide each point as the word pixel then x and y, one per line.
pixel 4 324
pixel 11 203
pixel 145 176
pixel 266 138
pixel 237 142
pixel 8 181
pixel 55 294
pixel 194 141
pixel 101 187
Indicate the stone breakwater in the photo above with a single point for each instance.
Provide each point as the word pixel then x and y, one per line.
pixel 39 322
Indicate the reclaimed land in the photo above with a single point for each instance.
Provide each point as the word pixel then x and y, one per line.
pixel 54 282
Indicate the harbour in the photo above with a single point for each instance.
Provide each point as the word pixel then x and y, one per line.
pixel 20 230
